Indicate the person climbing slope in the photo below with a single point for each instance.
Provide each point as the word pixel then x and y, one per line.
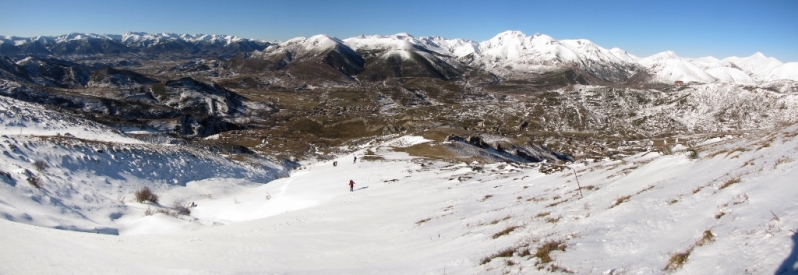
pixel 351 186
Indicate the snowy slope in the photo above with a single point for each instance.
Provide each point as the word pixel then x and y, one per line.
pixel 730 75
pixel 88 172
pixel 783 71
pixel 406 216
pixel 667 67
pixel 396 42
pixel 301 47
pixel 456 47
pixel 757 64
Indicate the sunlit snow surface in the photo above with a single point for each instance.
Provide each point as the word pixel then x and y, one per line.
pixel 406 215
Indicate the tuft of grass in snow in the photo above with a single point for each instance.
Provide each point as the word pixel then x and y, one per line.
pixel 150 212
pixel 36 181
pixel 543 251
pixel 692 153
pixel 486 198
pixel 497 220
pixel 621 200
pixel 423 221
pixel 504 253
pixel 706 238
pixel 40 165
pixel 646 189
pixel 729 182
pixel 553 220
pixel 181 209
pixel 678 260
pixel 146 195
pixel 590 187
pixel 557 268
pixel 505 231
pixel 542 214
pixel 782 160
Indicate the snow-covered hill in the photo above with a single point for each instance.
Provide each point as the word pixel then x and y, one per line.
pixel 87 172
pixel 724 206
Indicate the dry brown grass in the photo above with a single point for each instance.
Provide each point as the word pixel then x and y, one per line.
pixel 504 253
pixel 646 189
pixel 729 182
pixel 497 220
pixel 546 248
pixel 505 231
pixel 423 221
pixel 783 160
pixel 542 214
pixel 621 200
pixel 706 238
pixel 553 220
pixel 427 150
pixel 678 260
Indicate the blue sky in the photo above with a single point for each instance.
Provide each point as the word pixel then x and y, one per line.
pixel 641 27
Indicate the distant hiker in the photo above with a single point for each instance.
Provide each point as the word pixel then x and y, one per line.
pixel 351 186
pixel 355 160
pixel 335 163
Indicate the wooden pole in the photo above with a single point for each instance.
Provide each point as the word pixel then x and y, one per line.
pixel 577 182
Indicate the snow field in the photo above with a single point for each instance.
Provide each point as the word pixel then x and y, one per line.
pixel 426 217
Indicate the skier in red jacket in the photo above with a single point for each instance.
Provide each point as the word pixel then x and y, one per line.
pixel 351 186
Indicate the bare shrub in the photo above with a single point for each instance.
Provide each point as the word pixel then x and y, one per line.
pixel 36 181
pixel 181 209
pixel 505 231
pixel 543 251
pixel 146 195
pixel 40 165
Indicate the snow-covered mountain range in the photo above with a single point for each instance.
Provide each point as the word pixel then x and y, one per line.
pixel 507 54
